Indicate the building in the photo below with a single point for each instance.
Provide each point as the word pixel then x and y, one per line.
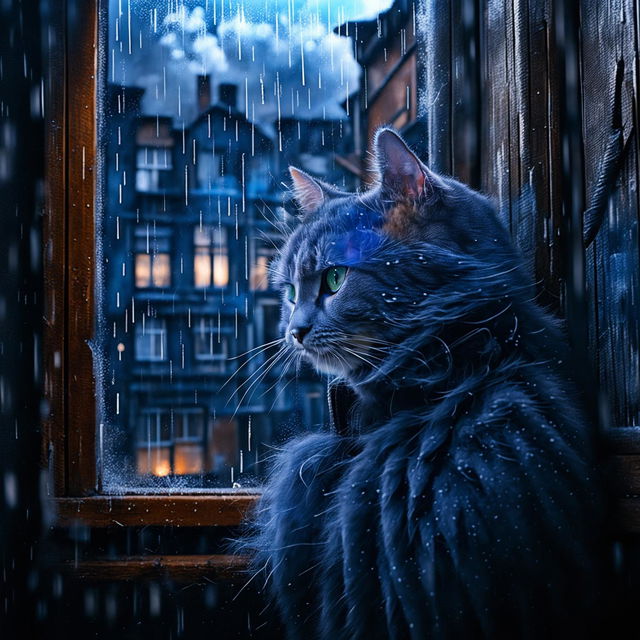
pixel 389 92
pixel 192 218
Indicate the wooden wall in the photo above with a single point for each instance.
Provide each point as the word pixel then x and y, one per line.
pixel 610 32
pixel 495 86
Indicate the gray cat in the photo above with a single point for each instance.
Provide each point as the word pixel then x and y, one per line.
pixel 458 499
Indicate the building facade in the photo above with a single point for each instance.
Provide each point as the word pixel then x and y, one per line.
pixel 193 216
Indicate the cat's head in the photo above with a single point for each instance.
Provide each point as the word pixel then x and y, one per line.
pixel 358 272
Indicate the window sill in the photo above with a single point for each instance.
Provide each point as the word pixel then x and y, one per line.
pixel 163 510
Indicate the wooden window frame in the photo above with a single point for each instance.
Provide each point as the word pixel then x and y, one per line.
pixel 70 452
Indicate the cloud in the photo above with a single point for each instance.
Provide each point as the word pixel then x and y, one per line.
pixel 285 63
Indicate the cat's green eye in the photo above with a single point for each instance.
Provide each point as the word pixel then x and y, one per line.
pixel 334 278
pixel 290 292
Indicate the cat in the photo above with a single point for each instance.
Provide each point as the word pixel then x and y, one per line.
pixel 459 499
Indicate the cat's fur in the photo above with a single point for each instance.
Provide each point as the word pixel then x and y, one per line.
pixel 462 503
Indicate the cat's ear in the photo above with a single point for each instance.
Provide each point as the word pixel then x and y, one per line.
pixel 308 192
pixel 401 171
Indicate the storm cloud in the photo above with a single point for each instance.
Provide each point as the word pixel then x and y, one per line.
pixel 283 55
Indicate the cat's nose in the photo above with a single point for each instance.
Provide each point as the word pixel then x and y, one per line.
pixel 299 333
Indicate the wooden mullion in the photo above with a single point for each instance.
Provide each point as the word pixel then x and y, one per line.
pixel 54 253
pixel 82 38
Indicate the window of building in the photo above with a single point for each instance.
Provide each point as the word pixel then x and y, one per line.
pixel 151 339
pixel 152 166
pixel 152 259
pixel 210 170
pixel 264 254
pixel 209 344
pixel 259 178
pixel 211 257
pixel 171 442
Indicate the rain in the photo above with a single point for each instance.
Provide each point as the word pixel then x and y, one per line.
pixel 207 104
pixel 201 106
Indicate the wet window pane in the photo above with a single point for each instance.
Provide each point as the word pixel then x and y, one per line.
pixel 204 110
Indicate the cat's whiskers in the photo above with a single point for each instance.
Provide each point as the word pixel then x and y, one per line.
pixel 262 346
pixel 275 400
pixel 262 349
pixel 285 366
pixel 257 376
pixel 365 360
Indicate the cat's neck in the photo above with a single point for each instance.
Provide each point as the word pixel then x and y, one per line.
pixel 449 370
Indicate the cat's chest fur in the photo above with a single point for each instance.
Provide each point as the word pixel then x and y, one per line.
pixel 437 522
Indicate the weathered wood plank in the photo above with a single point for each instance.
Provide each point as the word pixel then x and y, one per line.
pixel 433 24
pixel 82 49
pixel 627 516
pixel 623 475
pixel 178 568
pixel 178 511
pixel 609 34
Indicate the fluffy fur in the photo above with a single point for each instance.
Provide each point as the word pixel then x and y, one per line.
pixel 462 502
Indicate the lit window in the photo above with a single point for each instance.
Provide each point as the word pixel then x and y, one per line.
pixel 211 257
pixel 259 280
pixel 154 440
pixel 151 339
pixel 188 448
pixel 153 270
pixel 171 442
pixel 151 164
pixel 208 343
pixel 152 260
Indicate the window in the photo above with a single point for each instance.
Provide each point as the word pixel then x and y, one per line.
pixel 260 270
pixel 210 259
pixel 259 182
pixel 152 166
pixel 161 266
pixel 152 260
pixel 151 339
pixel 171 442
pixel 209 345
pixel 212 171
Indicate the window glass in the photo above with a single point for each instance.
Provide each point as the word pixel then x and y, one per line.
pixel 151 339
pixel 211 257
pixel 205 107
pixel 208 342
